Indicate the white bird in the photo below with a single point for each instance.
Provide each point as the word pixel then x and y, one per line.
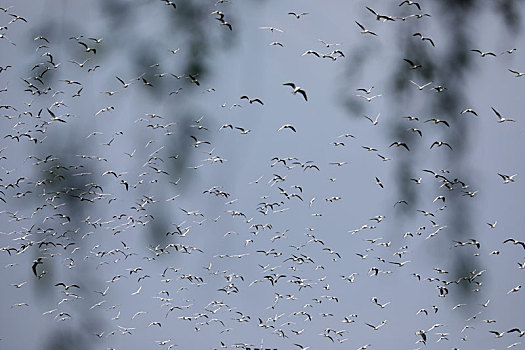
pixel 424 38
pixel 364 30
pixel 297 89
pixel 374 121
pixel 483 54
pixel 368 99
pixel 469 110
pixel 421 87
pixel 501 118
pixel 287 126
pixel 378 326
pixel 507 178
pixel 138 291
pixel 272 29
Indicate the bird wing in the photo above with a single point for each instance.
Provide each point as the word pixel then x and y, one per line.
pixel 369 9
pixel 497 113
pixel 302 92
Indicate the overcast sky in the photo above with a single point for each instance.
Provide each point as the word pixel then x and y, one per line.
pixel 321 210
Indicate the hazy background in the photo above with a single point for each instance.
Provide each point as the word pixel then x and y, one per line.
pixel 136 39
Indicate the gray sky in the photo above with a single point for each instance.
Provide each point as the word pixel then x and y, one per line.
pixel 347 197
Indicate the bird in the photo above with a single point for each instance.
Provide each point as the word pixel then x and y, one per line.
pixel 440 143
pixel 124 85
pixel 88 49
pixel 137 291
pixel 416 131
pixel 423 335
pixel 400 264
pixel 369 99
pixel 518 74
pixel 492 224
pixel 38 261
pixel 517 330
pixel 515 289
pixel 298 15
pixel 483 54
pixel 97 40
pixel 500 117
pixel 16 18
pixel 375 328
pixel 382 306
pixel 412 65
pixel 297 89
pixel 507 178
pixel 287 126
pixel 421 87
pixel 498 334
pixel 469 110
pixel 17 286
pixel 272 29
pixel 224 23
pixel 410 2
pixel 366 91
pixel 438 121
pixel 364 30
pixel 514 241
pixel 198 143
pixel 338 163
pixel 66 287
pixel 327 44
pixel 170 3
pixel 311 52
pixel 380 17
pixel 378 182
pixel 250 100
pixel 424 38
pixel 373 121
pixel 81 65
pixel 399 144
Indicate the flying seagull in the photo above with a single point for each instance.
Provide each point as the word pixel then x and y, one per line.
pixel 297 89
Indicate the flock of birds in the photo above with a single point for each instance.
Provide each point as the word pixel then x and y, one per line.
pixel 277 273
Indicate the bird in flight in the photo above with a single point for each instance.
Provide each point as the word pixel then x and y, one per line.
pixel 500 117
pixel 88 49
pixel 399 144
pixel 272 29
pixel 518 74
pixel 440 143
pixel 412 64
pixel 287 126
pixel 483 54
pixel 378 326
pixel 364 30
pixel 410 2
pixel 424 38
pixel 298 15
pixel 297 89
pixel 252 100
pixel 373 121
pixel 507 178
pixel 421 87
